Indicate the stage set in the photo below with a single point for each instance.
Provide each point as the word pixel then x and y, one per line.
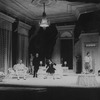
pixel 67 32
pixel 59 43
pixel 68 73
pixel 66 78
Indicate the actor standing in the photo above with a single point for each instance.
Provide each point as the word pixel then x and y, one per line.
pixel 88 61
pixel 36 64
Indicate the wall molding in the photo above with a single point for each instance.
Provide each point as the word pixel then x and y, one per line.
pixel 7 18
pixel 24 25
pixel 89 34
pixel 64 28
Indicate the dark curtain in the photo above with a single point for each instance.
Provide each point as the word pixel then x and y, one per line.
pixel 51 36
pixel 44 42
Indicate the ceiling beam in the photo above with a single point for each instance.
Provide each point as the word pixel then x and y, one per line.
pixel 85 9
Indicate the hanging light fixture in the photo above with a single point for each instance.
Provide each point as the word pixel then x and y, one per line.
pixel 44 23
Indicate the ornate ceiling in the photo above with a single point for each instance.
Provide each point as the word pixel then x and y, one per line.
pixel 30 11
pixel 48 3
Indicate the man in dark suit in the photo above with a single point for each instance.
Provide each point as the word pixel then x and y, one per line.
pixel 36 64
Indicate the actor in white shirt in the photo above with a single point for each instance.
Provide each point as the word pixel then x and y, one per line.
pixel 88 62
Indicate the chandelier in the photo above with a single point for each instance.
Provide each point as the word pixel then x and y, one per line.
pixel 44 23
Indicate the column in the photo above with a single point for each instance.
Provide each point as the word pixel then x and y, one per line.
pixel 23 42
pixel 5 42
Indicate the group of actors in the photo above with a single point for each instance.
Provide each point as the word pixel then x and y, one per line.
pixel 50 69
pixel 34 66
pixel 35 63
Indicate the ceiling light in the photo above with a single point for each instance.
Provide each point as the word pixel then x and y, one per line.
pixel 44 23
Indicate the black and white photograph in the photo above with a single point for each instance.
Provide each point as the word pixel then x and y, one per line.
pixel 50 49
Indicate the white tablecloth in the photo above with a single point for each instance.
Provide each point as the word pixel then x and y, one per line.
pixel 87 80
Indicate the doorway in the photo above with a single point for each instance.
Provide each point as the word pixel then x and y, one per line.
pixel 67 52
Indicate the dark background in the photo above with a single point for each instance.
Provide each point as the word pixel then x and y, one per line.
pixel 67 52
pixel 48 93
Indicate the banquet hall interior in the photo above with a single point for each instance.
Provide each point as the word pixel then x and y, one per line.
pixel 61 30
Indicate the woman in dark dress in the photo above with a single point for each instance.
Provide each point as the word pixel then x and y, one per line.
pixel 50 68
